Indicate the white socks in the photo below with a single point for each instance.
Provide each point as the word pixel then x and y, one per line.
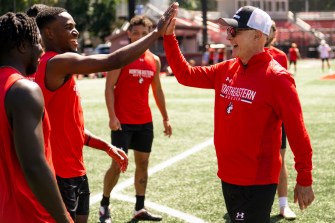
pixel 283 202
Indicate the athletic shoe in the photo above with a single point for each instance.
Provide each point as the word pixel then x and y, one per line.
pixel 105 216
pixel 287 213
pixel 145 215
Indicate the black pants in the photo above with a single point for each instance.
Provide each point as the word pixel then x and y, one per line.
pixel 251 204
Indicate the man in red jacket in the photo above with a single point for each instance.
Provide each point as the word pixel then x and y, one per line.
pixel 281 58
pixel 253 96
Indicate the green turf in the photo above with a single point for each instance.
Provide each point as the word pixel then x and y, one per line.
pixel 191 185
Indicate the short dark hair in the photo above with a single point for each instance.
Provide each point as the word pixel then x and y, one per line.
pixel 35 9
pixel 48 15
pixel 15 28
pixel 140 20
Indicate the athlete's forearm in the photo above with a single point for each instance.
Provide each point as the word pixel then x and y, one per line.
pixel 109 98
pixel 131 52
pixel 160 101
pixel 43 184
pixel 96 142
pixel 115 153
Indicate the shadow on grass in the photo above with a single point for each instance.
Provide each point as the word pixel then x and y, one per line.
pixel 273 219
pixel 279 218
pixel 227 218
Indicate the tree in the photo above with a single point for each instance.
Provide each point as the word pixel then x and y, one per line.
pixel 102 17
pixel 79 11
pixel 197 4
pixel 21 5
pixel 95 16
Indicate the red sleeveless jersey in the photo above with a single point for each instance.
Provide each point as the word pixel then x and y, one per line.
pixel 293 52
pixel 67 123
pixel 17 201
pixel 132 90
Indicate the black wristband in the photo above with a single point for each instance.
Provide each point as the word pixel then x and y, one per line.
pixel 88 140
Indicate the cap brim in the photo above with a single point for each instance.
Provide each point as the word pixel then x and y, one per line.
pixel 228 22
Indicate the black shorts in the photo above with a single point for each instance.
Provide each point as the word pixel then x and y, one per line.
pixel 249 204
pixel 136 137
pixel 324 59
pixel 76 195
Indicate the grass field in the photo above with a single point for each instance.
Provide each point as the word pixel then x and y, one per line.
pixel 190 186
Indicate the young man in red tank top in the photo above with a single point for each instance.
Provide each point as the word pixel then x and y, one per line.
pixel 28 187
pixel 294 55
pixel 63 103
pixel 127 99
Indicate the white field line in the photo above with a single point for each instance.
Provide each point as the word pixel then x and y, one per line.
pixel 162 209
pixel 129 182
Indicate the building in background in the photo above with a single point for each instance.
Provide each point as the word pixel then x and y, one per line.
pixel 187 32
pixel 305 29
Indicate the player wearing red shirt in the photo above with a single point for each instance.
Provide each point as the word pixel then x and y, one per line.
pixel 127 100
pixel 66 166
pixel 221 53
pixel 28 188
pixel 133 85
pixel 253 95
pixel 294 55
pixel 62 99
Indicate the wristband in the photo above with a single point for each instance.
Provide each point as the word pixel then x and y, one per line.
pixel 97 143
pixel 87 139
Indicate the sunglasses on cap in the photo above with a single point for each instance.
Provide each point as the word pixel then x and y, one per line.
pixel 232 31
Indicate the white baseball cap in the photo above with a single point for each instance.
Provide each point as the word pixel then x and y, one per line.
pixel 249 17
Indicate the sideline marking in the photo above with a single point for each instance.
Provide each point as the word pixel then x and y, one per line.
pixel 162 209
pixel 172 212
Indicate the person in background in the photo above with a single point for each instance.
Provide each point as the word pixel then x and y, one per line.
pixel 209 56
pixel 254 95
pixel 293 55
pixel 192 62
pixel 205 56
pixel 28 187
pixel 221 54
pixel 168 71
pixel 127 100
pixel 55 76
pixel 281 58
pixel 324 52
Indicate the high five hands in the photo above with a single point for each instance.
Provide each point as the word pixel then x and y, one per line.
pixel 165 20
